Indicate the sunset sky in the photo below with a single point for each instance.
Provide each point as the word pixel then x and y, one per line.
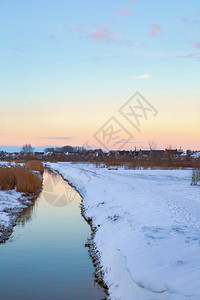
pixel 68 66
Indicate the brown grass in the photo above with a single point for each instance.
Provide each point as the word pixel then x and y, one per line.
pixel 23 179
pixel 35 165
pixel 7 178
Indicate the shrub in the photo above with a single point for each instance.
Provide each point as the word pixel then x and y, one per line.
pixel 35 165
pixel 20 178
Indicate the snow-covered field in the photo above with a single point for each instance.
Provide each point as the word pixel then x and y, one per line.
pixel 148 229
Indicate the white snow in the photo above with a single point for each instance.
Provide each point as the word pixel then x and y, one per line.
pixel 148 229
pixel 196 155
pixel 9 203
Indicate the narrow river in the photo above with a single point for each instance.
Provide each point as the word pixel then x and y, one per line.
pixel 45 257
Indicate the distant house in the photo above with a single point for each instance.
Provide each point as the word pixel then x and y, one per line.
pixel 171 154
pixel 135 153
pixel 196 155
pixel 2 154
pixel 186 155
pixel 112 153
pixel 180 151
pixel 156 154
pixel 143 154
pixel 98 152
pixel 39 155
pixel 124 152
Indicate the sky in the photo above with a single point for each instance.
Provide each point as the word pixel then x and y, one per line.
pixel 68 67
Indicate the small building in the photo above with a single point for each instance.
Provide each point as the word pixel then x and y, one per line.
pixel 157 154
pixel 171 154
pixel 143 154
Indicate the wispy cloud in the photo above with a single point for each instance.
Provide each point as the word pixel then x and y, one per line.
pixel 130 142
pixel 155 30
pixel 133 1
pixel 16 49
pixel 108 36
pixel 100 58
pixel 104 34
pixel 52 37
pixel 123 12
pixel 57 137
pixel 99 34
pixel 82 28
pixel 190 21
pixel 144 76
pixel 186 22
pixel 197 45
pixel 189 55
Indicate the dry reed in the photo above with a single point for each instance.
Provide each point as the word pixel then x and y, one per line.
pixel 35 165
pixel 20 178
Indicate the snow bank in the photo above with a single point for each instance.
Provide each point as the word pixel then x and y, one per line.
pixel 148 229
pixel 11 204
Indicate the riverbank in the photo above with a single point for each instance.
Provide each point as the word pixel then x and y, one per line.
pixel 147 226
pixel 12 203
pixel 19 187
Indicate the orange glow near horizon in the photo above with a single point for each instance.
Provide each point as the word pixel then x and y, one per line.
pixel 65 124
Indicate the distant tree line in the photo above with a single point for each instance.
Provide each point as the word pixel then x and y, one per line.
pixel 65 149
pixel 27 148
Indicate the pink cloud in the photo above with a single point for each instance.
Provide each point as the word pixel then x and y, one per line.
pixel 106 36
pixel 155 30
pixel 197 45
pixel 97 33
pixel 123 12
pixel 52 37
pixel 133 1
pixel 103 34
pixel 189 55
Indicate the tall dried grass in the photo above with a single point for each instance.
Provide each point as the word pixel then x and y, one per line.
pixel 23 179
pixel 35 165
pixel 7 178
pixel 195 176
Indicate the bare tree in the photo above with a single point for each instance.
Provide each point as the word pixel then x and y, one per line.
pixel 169 147
pixel 27 148
pixel 152 145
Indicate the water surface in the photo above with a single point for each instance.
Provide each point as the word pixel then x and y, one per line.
pixel 45 257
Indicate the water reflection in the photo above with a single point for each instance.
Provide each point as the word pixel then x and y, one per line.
pixel 56 191
pixel 28 214
pixel 47 258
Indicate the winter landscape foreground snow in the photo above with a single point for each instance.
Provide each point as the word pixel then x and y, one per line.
pixel 148 229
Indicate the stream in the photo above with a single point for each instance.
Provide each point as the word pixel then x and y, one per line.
pixel 46 257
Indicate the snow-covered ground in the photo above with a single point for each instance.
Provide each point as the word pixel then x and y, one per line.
pixel 11 204
pixel 148 229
